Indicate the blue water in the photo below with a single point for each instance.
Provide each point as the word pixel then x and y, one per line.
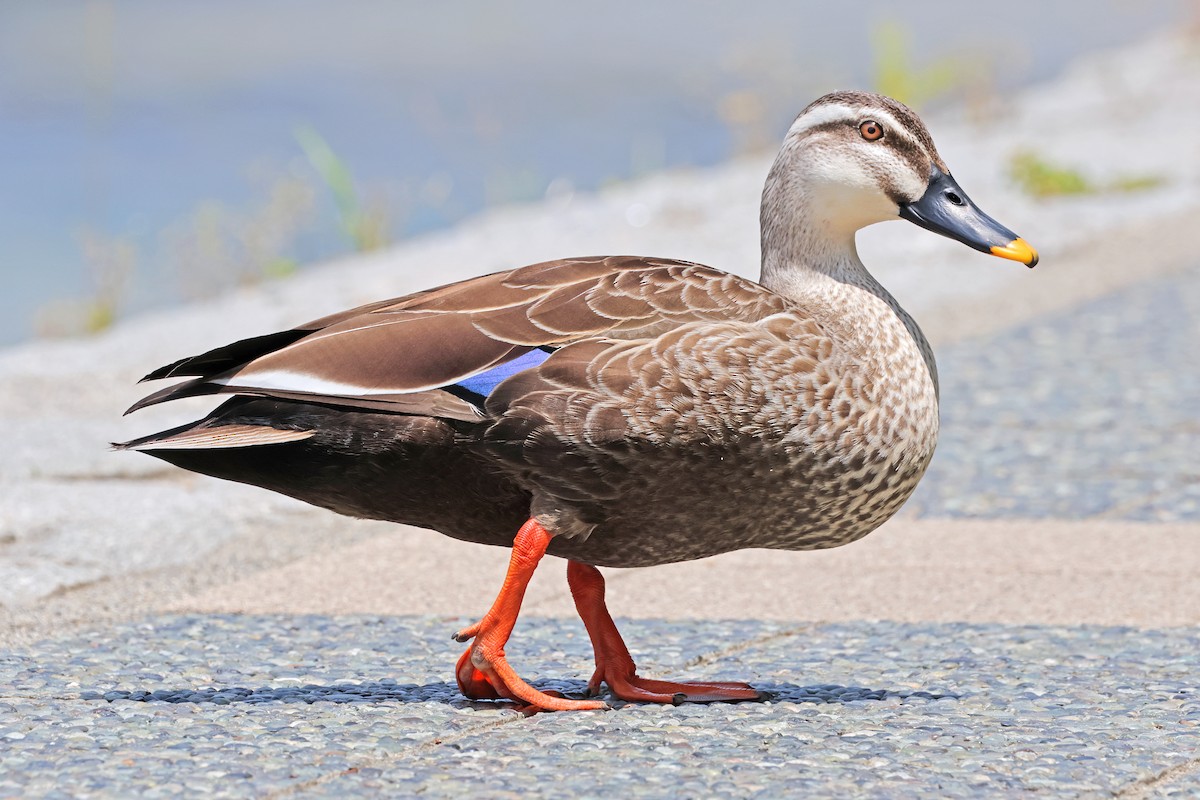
pixel 127 118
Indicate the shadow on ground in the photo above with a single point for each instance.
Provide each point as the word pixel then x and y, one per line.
pixel 386 692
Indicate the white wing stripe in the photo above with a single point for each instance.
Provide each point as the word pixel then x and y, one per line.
pixel 288 381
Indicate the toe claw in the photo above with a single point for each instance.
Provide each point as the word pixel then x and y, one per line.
pixel 466 634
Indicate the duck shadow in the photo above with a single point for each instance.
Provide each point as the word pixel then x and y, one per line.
pixel 448 693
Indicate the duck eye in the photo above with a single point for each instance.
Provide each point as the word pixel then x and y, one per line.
pixel 871 130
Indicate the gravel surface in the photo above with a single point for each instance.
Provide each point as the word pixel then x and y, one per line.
pixel 1090 413
pixel 329 706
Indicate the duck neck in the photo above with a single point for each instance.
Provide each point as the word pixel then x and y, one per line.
pixel 804 259
pixel 808 241
pixel 816 264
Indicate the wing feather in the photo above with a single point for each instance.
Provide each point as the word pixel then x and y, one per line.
pixel 407 354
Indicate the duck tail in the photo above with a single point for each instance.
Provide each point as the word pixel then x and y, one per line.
pixel 204 435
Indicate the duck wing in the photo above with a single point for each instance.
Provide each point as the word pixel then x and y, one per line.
pixel 440 352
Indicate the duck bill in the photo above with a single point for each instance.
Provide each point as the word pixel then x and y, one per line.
pixel 946 209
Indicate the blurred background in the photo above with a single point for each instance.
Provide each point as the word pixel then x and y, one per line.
pixel 153 153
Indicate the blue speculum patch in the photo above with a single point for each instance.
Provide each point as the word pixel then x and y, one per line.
pixel 483 383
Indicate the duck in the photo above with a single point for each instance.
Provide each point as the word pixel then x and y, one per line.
pixel 618 411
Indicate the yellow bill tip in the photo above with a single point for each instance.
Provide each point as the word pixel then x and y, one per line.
pixel 1017 250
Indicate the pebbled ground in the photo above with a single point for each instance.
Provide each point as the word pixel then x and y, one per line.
pixel 311 706
pixel 1094 412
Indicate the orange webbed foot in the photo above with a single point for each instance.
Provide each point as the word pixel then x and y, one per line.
pixel 614 665
pixel 483 671
pixel 632 688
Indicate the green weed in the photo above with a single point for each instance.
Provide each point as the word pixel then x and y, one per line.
pixel 898 77
pixel 216 248
pixel 364 226
pixel 111 263
pixel 1040 178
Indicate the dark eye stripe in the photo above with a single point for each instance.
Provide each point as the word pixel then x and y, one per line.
pixel 909 150
pixel 869 105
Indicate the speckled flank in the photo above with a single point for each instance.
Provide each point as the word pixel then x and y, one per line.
pixel 822 430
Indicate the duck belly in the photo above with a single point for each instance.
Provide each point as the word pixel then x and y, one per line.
pixel 699 503
pixel 641 506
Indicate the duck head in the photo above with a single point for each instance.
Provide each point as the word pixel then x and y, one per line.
pixel 852 159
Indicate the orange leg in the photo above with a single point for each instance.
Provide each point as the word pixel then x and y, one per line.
pixel 483 672
pixel 615 666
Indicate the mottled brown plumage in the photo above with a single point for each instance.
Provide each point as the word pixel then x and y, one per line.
pixel 657 410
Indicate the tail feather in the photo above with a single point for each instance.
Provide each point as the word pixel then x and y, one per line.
pixel 198 436
pixel 228 357
pixel 193 388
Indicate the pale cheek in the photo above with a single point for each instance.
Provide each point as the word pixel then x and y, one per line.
pixel 852 197
pixel 909 185
pixel 829 169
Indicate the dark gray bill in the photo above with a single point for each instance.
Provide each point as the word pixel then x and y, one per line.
pixel 946 209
